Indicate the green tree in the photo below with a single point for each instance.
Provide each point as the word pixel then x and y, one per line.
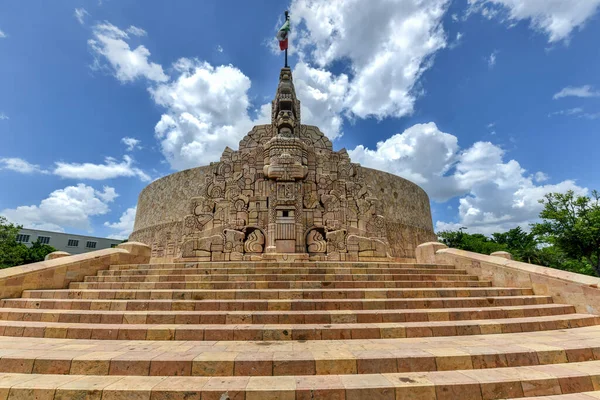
pixel 14 253
pixel 572 224
pixel 37 252
pixel 522 245
pixel 10 253
pixel 476 242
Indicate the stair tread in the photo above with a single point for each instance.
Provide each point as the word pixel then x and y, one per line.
pixel 494 288
pixel 340 325
pixel 340 312
pixel 281 317
pixel 291 271
pixel 316 330
pixel 420 354
pixel 511 382
pixel 568 396
pixel 292 331
pixel 277 284
pixel 250 305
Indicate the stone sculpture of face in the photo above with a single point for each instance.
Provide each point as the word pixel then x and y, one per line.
pixel 285 119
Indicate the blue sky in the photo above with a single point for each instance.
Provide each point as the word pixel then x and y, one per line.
pixel 487 104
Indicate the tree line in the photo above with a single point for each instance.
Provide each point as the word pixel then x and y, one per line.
pixel 567 237
pixel 14 253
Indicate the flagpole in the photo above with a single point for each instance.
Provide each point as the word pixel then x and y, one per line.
pixel 287 17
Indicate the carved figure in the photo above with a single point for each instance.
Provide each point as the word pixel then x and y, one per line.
pixel 255 242
pixel 316 242
pixel 234 241
pixel 366 247
pixel 336 241
pixel 234 244
pixel 202 247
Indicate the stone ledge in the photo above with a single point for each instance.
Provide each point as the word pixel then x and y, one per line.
pixel 287 332
pixel 487 384
pixel 350 357
pixel 58 273
pixel 582 291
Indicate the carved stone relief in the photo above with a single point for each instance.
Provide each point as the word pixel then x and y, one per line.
pixel 284 191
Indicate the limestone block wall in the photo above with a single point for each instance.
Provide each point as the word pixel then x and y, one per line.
pixel 167 199
pixel 163 204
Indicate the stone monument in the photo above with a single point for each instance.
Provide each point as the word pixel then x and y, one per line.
pixel 285 194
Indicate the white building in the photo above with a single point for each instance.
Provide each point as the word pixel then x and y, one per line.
pixel 73 244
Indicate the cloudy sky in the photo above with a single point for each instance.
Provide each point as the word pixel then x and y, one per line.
pixel 487 104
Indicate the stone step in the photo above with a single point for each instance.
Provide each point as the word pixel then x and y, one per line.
pixel 279 271
pixel 280 277
pixel 245 294
pixel 569 396
pixel 278 285
pixel 279 317
pixel 277 332
pixel 275 304
pixel 483 384
pixel 359 356
pixel 284 265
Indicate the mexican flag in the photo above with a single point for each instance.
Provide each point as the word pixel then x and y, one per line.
pixel 283 35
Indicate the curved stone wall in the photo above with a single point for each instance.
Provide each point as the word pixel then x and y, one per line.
pixel 165 202
pixel 168 198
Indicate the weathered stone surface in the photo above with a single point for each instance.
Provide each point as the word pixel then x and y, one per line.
pixel 503 254
pixel 565 287
pixel 56 254
pixel 59 272
pixel 425 253
pixel 285 191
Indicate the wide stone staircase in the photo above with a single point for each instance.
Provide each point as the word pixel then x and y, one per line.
pixel 304 330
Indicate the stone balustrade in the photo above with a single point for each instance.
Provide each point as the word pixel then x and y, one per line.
pixel 582 291
pixel 58 273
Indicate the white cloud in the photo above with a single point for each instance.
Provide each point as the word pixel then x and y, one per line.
pixel 3 116
pixel 540 177
pixel 70 207
pixel 555 18
pixel 125 224
pixel 491 60
pixel 3 35
pixel 490 208
pixel 20 165
pixel 80 14
pixel 457 41
pixel 206 110
pixel 135 31
pixel 322 95
pixel 568 111
pixel 219 48
pixel 422 154
pixel 131 143
pixel 591 115
pixel 109 170
pixel 577 112
pixel 206 106
pixel 495 194
pixel 386 56
pixel 577 91
pixel 126 64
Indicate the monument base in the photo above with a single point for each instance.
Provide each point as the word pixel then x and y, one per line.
pixel 285 257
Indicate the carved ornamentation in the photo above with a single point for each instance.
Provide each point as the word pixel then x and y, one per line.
pixel 255 242
pixel 316 242
pixel 284 191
